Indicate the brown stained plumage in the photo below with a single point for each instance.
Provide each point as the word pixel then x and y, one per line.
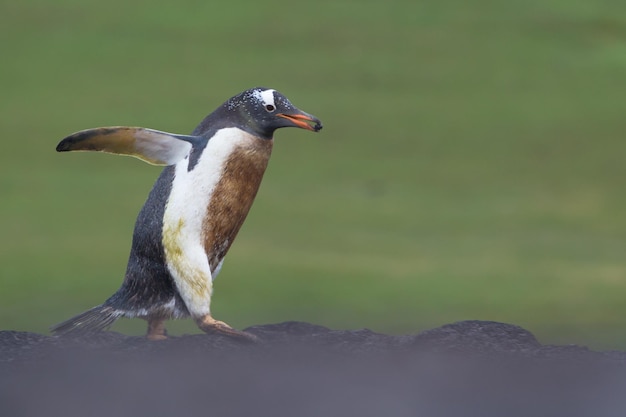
pixel 233 196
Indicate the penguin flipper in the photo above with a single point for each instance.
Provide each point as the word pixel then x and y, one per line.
pixel 151 146
pixel 91 321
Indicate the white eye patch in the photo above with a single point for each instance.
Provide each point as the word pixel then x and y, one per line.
pixel 266 97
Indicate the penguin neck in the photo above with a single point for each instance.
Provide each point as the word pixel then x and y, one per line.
pixel 222 121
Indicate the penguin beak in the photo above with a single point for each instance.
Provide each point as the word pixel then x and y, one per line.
pixel 303 120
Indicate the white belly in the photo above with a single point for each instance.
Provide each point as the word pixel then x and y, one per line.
pixel 184 216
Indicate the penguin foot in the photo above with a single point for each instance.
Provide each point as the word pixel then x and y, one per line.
pixel 156 329
pixel 209 325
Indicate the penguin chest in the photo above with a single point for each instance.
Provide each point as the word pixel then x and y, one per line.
pixel 208 204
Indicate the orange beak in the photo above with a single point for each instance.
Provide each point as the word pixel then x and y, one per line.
pixel 303 121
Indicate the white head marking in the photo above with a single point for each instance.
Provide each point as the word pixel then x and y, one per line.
pixel 265 96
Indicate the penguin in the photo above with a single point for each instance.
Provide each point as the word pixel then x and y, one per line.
pixel 193 213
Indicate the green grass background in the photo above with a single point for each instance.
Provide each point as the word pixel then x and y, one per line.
pixel 472 163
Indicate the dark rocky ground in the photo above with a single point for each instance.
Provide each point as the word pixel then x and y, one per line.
pixel 469 368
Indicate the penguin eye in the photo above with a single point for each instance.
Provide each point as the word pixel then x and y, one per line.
pixel 270 108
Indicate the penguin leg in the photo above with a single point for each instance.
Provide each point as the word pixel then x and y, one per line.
pixel 156 329
pixel 209 325
pixel 192 276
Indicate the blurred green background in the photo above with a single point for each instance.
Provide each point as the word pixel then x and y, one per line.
pixel 472 163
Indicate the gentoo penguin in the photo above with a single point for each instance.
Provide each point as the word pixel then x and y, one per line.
pixel 193 212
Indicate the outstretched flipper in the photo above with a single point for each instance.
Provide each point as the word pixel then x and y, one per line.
pixel 91 321
pixel 151 146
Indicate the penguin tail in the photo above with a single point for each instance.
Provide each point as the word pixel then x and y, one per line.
pixel 91 321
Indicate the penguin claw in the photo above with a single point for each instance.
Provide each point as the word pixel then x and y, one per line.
pixel 211 326
pixel 238 334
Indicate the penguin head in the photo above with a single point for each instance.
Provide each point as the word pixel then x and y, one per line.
pixel 263 110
